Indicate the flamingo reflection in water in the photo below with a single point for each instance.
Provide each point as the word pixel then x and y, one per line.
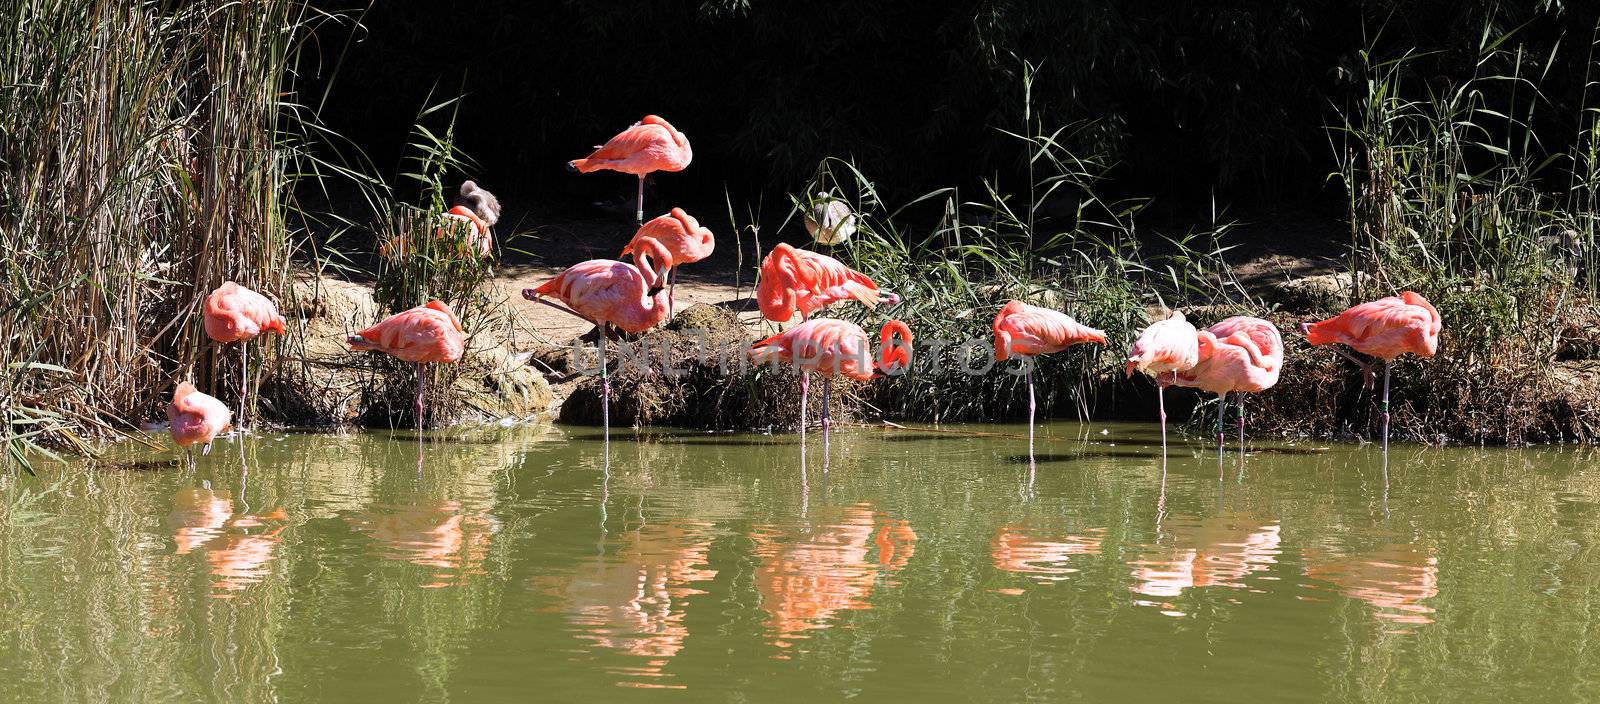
pixel 1023 550
pixel 1395 579
pixel 436 533
pixel 808 576
pixel 1212 552
pixel 634 601
pixel 203 520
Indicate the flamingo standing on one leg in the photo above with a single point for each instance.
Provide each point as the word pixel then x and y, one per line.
pixel 798 280
pixel 831 347
pixel 1026 330
pixel 1166 347
pixel 195 418
pixel 425 334
pixel 608 292
pixel 649 145
pixel 234 313
pixel 681 235
pixel 1240 354
pixel 1385 329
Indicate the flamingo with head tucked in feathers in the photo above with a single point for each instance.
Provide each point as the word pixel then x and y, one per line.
pixel 801 281
pixel 683 237
pixel 833 347
pixel 1026 330
pixel 425 334
pixel 234 313
pixel 1165 348
pixel 1238 355
pixel 195 418
pixel 611 293
pixel 1385 329
pixel 649 145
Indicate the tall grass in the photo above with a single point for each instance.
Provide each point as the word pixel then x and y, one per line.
pixel 1454 194
pixel 426 256
pixel 1056 242
pixel 140 166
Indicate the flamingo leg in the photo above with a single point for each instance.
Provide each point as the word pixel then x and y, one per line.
pixel 244 381
pixel 827 393
pixel 1385 408
pixel 1222 410
pixel 1031 408
pixel 1161 405
pixel 638 215
pixel 421 388
pixel 805 392
pixel 605 383
pixel 1241 422
pixel 1366 368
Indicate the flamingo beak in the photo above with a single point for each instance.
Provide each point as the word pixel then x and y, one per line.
pixel 530 294
pixel 572 166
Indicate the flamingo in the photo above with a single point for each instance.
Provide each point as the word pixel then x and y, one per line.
pixel 649 145
pixel 196 418
pixel 234 313
pixel 830 221
pixel 1385 329
pixel 797 280
pixel 832 347
pixel 1167 346
pixel 683 236
pixel 1026 330
pixel 474 206
pixel 608 292
pixel 1240 354
pixel 425 334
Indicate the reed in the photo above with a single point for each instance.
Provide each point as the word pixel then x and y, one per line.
pixel 1454 192
pixel 1056 243
pixel 142 164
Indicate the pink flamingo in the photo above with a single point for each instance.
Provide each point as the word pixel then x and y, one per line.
pixel 798 280
pixel 1240 354
pixel 425 334
pixel 1167 346
pixel 234 313
pixel 683 236
pixel 1385 329
pixel 1025 330
pixel 832 347
pixel 195 418
pixel 649 145
pixel 474 206
pixel 608 292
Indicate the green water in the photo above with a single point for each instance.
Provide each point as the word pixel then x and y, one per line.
pixel 520 565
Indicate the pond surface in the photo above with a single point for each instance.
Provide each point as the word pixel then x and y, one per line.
pixel 518 564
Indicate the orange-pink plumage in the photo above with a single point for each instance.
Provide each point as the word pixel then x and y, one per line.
pixel 1023 329
pixel 1167 346
pixel 649 145
pixel 195 418
pixel 1385 328
pixel 234 313
pixel 609 291
pixel 797 280
pixel 834 347
pixel 426 333
pixel 1240 353
pixel 680 233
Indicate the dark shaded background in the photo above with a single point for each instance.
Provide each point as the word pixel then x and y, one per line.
pixel 1227 98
